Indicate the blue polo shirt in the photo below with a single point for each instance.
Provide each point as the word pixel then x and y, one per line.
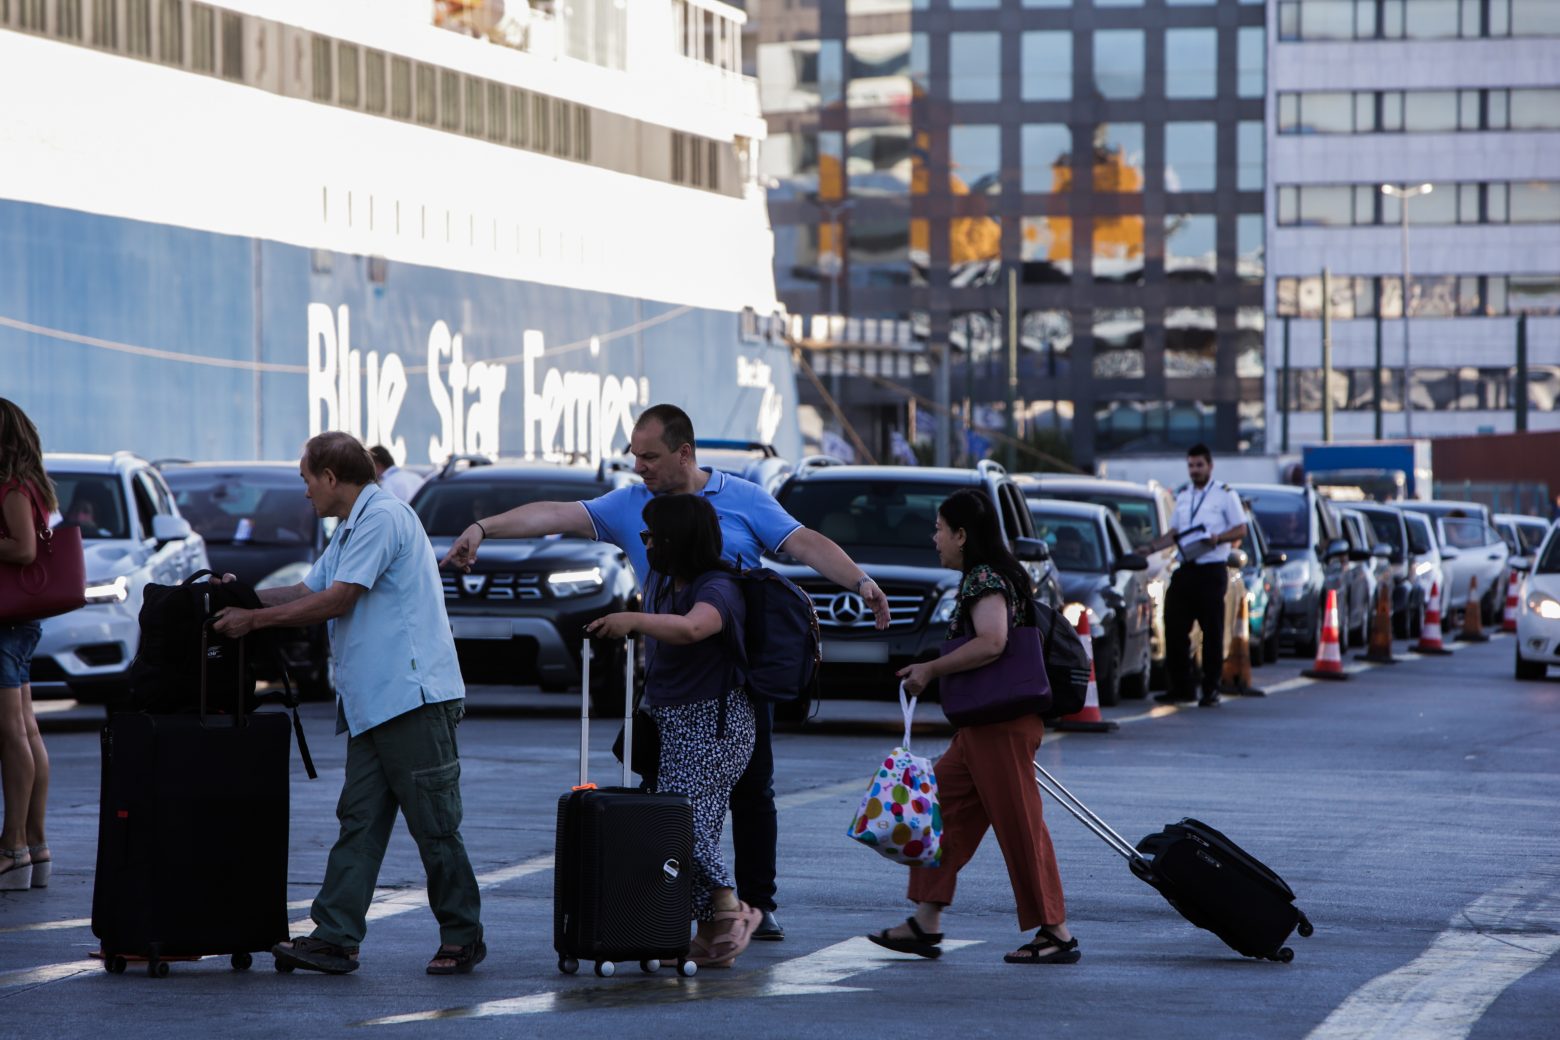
pixel 751 521
pixel 393 650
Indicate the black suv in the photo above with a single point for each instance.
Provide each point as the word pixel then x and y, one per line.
pixel 517 616
pixel 883 517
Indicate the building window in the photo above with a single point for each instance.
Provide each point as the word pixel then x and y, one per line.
pixel 1046 249
pixel 975 66
pixel 1191 253
pixel 1046 153
pixel 880 70
pixel 1250 361
pixel 878 160
pixel 1191 156
pixel 1251 62
pixel 1118 249
pixel 1118 63
pixel 1191 343
pixel 1250 146
pixel 1118 343
pixel 1250 248
pixel 1045 60
pixel 1118 157
pixel 975 160
pixel 1191 63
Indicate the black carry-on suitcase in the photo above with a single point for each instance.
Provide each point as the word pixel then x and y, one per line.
pixel 1211 881
pixel 622 887
pixel 192 836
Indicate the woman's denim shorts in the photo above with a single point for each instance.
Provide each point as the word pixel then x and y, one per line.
pixel 17 643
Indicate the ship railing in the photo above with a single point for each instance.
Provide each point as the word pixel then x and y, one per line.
pixel 731 91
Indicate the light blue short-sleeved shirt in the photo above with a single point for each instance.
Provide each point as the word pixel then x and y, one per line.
pixel 393 651
pixel 751 521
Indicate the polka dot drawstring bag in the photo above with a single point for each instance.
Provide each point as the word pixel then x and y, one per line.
pixel 899 816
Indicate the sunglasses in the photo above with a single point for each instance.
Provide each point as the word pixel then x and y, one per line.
pixel 644 537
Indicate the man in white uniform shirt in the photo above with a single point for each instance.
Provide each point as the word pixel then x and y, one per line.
pixel 1208 522
pixel 402 483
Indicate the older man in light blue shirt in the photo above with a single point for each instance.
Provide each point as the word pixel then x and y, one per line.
pixel 399 696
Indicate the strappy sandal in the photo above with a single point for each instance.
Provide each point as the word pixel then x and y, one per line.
pixel 922 944
pixel 14 876
pixel 732 939
pixel 313 954
pixel 1061 952
pixel 41 867
pixel 464 958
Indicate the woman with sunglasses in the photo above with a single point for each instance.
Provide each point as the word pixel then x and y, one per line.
pixel 693 690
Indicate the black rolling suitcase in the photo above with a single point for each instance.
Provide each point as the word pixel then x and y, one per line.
pixel 621 888
pixel 1211 881
pixel 192 836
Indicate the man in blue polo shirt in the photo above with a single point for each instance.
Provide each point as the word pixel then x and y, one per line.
pixel 400 696
pixel 751 523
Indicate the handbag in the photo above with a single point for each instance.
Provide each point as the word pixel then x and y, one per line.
pixel 646 760
pixel 899 816
pixel 54 583
pixel 1012 686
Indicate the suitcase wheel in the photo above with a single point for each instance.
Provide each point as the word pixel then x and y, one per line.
pixel 606 969
pixel 114 965
pixel 568 965
pixel 1305 927
pixel 285 967
pixel 156 969
pixel 687 969
pixel 1285 954
pixel 242 961
pixel 650 967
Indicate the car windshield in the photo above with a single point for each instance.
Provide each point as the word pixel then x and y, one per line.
pixel 1283 519
pixel 1549 563
pixel 1074 540
pixel 1462 534
pixel 235 507
pixel 1531 536
pixel 94 502
pixel 1386 529
pixel 888 514
pixel 1418 534
pixel 1138 516
pixel 448 509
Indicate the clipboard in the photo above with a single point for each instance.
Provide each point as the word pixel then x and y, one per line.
pixel 1193 543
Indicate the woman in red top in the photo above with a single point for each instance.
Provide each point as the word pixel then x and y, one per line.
pixel 25 492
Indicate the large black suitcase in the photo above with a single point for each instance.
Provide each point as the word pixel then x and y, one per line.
pixel 622 885
pixel 192 837
pixel 1211 881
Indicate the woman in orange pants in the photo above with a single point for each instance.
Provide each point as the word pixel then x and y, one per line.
pixel 986 778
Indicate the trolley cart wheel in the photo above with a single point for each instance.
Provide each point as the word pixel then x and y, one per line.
pixel 285 967
pixel 115 964
pixel 156 969
pixel 242 961
pixel 650 967
pixel 606 969
pixel 1285 955
pixel 687 969
pixel 568 965
pixel 1305 929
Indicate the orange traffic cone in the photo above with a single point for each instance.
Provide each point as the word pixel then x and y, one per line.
pixel 1379 650
pixel 1237 666
pixel 1473 621
pixel 1329 659
pixel 1089 720
pixel 1430 634
pixel 1508 621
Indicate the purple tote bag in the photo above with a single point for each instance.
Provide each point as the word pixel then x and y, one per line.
pixel 1012 686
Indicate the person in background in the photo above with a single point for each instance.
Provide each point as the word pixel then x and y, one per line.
pixel 26 494
pixel 693 690
pixel 401 483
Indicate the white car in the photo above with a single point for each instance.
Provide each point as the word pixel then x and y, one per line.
pixel 133 535
pixel 1538 610
pixel 1425 567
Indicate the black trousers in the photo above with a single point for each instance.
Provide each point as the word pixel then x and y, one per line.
pixel 1196 594
pixel 755 827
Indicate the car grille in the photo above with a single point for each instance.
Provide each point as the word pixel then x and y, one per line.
pixel 840 610
pixel 498 586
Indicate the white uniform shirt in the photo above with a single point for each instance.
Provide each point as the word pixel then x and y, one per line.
pixel 1217 508
pixel 402 483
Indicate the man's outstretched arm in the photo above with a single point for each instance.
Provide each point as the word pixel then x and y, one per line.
pixel 533 520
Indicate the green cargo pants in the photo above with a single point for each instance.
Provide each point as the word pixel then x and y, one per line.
pixel 409 763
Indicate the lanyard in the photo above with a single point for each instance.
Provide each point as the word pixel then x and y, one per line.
pixel 1197 503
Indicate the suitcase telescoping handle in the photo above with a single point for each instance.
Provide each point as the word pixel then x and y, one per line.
pixel 628 712
pixel 1086 816
pixel 238 691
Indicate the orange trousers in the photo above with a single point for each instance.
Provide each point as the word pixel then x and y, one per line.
pixel 986 779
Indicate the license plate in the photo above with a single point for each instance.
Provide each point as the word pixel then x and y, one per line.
pixel 854 652
pixel 480 628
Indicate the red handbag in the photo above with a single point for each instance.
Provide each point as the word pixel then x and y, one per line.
pixel 54 583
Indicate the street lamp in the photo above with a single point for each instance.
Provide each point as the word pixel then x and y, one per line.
pixel 1403 194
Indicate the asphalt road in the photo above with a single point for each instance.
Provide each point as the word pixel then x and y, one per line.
pixel 1414 809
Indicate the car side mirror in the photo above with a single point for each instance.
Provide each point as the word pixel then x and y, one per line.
pixel 1520 563
pixel 1359 555
pixel 1237 560
pixel 167 528
pixel 1275 558
pixel 1395 556
pixel 1450 552
pixel 1337 547
pixel 1130 562
pixel 1031 550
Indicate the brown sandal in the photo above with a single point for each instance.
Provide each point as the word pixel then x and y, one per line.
pixel 462 958
pixel 733 937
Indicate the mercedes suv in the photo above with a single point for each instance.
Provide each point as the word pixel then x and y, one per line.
pixel 883 517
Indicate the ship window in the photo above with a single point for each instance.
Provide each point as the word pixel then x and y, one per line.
pixel 498 112
pixel 138 27
pixel 539 122
pixel 347 73
pixel 582 134
pixel 713 180
pixel 695 168
pixel 105 25
pixel 170 32
pixel 32 14
pixel 232 46
pixel 322 69
pixel 449 99
pixel 400 88
pixel 561 126
pixel 67 19
pixel 203 39
pixel 374 81
pixel 519 120
pixel 677 157
pixel 476 111
pixel 427 95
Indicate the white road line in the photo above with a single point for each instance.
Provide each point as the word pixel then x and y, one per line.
pixel 1441 995
pixel 49 926
pixel 47 973
pixel 821 972
pixel 392 902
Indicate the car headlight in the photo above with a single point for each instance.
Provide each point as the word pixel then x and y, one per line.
pixel 943 612
pixel 1545 606
pixel 575 583
pixel 1073 612
pixel 283 577
pixel 116 591
pixel 1291 576
pixel 1423 568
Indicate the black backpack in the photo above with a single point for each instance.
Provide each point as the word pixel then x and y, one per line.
pixel 782 646
pixel 165 675
pixel 1066 662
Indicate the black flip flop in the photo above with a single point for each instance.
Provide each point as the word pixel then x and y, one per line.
pixel 1062 952
pixel 924 944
